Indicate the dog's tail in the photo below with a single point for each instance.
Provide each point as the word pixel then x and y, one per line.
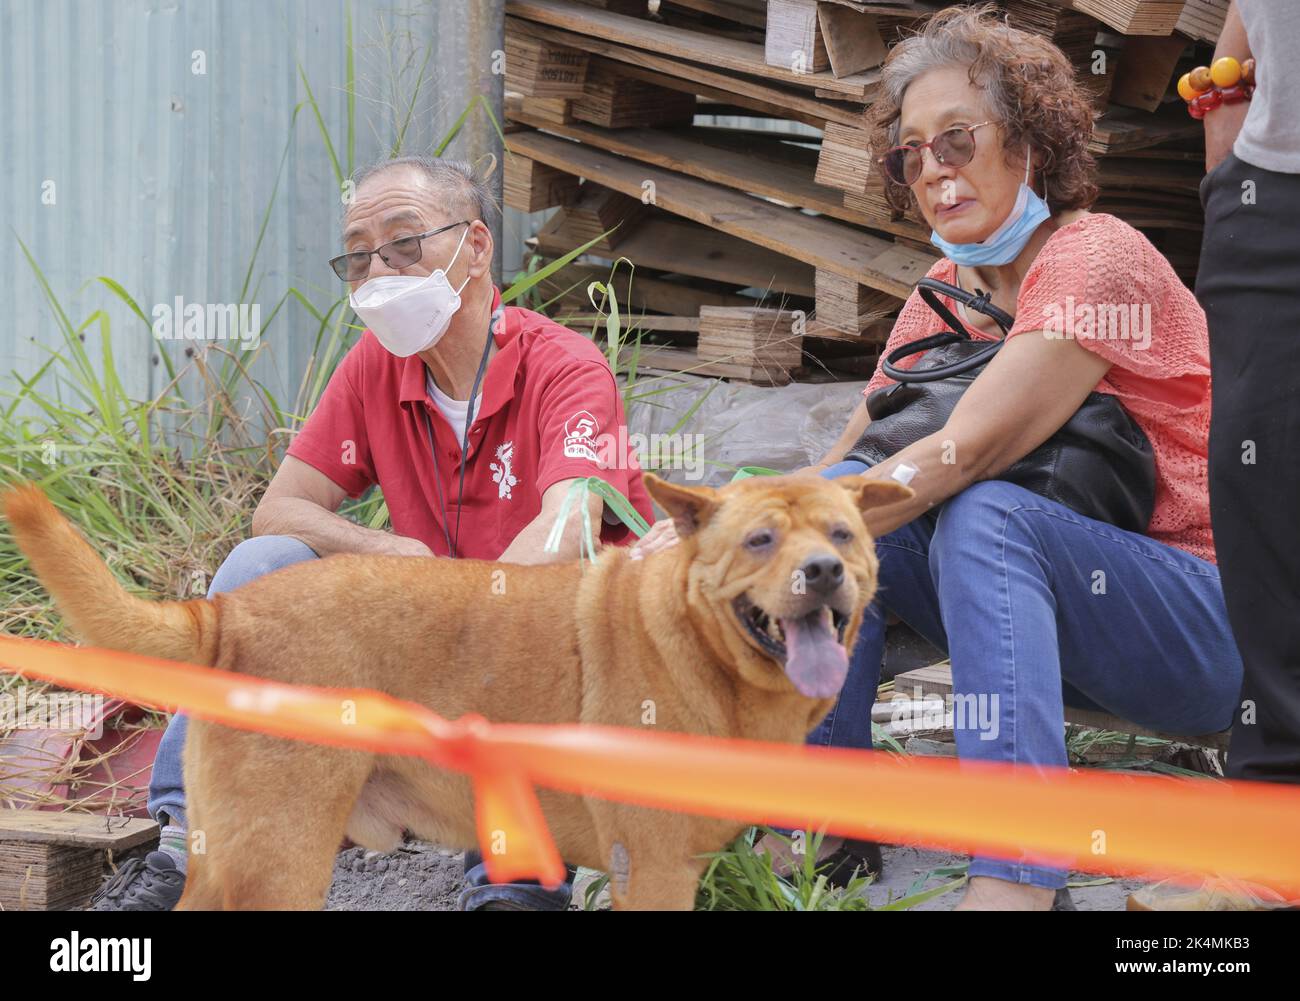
pixel 95 605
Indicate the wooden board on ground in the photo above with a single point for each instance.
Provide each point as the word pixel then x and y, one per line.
pixel 936 679
pixel 682 247
pixel 723 53
pixel 56 861
pixel 76 830
pixel 821 242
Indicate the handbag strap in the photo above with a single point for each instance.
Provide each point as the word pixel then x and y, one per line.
pixel 930 289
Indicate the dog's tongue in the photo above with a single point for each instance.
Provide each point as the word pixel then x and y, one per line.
pixel 815 661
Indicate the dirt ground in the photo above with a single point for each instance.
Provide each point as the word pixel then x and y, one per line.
pixel 424 877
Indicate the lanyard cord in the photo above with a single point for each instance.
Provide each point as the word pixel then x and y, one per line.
pixel 453 545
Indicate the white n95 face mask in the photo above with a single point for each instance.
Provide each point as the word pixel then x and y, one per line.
pixel 407 313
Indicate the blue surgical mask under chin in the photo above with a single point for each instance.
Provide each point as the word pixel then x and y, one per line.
pixel 1005 243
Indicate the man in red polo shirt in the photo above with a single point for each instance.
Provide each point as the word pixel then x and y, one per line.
pixel 473 419
pixel 547 397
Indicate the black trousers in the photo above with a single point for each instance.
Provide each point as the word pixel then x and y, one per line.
pixel 1249 285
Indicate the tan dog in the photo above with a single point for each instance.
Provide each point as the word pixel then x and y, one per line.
pixel 738 631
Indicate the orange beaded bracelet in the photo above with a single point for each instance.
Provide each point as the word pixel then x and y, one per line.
pixel 1225 81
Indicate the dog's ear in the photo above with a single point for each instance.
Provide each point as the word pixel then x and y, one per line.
pixel 689 507
pixel 871 491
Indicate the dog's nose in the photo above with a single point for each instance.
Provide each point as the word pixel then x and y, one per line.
pixel 823 574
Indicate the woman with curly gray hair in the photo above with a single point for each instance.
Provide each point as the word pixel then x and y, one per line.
pixel 984 129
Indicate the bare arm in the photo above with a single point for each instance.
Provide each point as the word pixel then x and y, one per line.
pixel 529 545
pixel 858 422
pixel 1024 396
pixel 1224 122
pixel 301 502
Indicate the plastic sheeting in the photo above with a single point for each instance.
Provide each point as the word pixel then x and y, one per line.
pixel 781 427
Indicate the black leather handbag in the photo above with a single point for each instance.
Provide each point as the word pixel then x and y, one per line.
pixel 1098 464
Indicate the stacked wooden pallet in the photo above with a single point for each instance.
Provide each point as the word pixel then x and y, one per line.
pixel 723 143
pixel 53 861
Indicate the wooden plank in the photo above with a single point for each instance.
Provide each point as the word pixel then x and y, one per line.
pixel 659 358
pixel 1116 172
pixel 1146 70
pixel 753 94
pixel 79 830
pixel 1134 17
pixel 775 170
pixel 531 187
pixel 852 39
pixel 682 247
pixel 658 295
pixel 1121 130
pixel 793 39
pixel 817 337
pixel 1203 19
pixel 615 100
pixel 748 12
pixel 540 69
pixel 847 306
pixel 821 242
pixel 936 679
pixel 723 53
pixel 647 322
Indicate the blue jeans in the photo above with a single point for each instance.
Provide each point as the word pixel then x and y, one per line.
pixel 1038 608
pixel 247 561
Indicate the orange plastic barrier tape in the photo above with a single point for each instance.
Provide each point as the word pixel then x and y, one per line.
pixel 1096 822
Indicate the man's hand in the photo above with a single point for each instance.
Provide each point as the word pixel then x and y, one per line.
pixel 401 545
pixel 662 535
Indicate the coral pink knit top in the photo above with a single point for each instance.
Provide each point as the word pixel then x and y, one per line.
pixel 1101 281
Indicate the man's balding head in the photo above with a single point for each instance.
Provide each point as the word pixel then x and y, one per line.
pixel 410 195
pixel 453 185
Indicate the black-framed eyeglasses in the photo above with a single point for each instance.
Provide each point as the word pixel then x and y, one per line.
pixel 954 148
pixel 399 253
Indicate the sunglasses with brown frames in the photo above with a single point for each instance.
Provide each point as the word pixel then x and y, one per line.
pixel 954 147
pixel 399 253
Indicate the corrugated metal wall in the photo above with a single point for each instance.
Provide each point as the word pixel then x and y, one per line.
pixel 119 158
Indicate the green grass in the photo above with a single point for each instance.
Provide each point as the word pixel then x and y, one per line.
pixel 742 878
